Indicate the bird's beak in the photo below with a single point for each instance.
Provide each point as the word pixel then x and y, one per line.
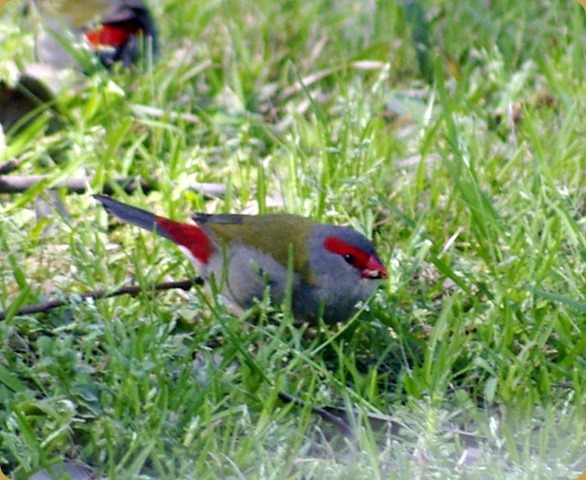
pixel 374 269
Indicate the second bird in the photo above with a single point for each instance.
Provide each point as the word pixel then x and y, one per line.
pixel 332 267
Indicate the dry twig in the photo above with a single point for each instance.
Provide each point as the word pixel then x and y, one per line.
pixel 320 412
pixel 21 183
pixel 128 290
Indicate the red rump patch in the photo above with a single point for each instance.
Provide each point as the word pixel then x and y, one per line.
pixel 189 236
pixel 114 35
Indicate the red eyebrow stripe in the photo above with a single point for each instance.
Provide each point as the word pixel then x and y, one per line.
pixel 189 236
pixel 339 247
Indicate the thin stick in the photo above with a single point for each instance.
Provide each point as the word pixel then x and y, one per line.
pixel 324 414
pixel 21 183
pixel 128 290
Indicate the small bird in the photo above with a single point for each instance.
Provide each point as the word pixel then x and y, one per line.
pixel 115 30
pixel 332 267
pixel 126 29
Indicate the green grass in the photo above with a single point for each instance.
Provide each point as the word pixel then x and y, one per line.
pixel 464 160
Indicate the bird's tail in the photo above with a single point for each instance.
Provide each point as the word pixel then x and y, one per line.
pixel 191 237
pixel 136 216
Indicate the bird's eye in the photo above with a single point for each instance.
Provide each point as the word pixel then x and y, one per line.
pixel 350 259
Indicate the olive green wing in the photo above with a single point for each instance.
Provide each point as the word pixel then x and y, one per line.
pixel 273 234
